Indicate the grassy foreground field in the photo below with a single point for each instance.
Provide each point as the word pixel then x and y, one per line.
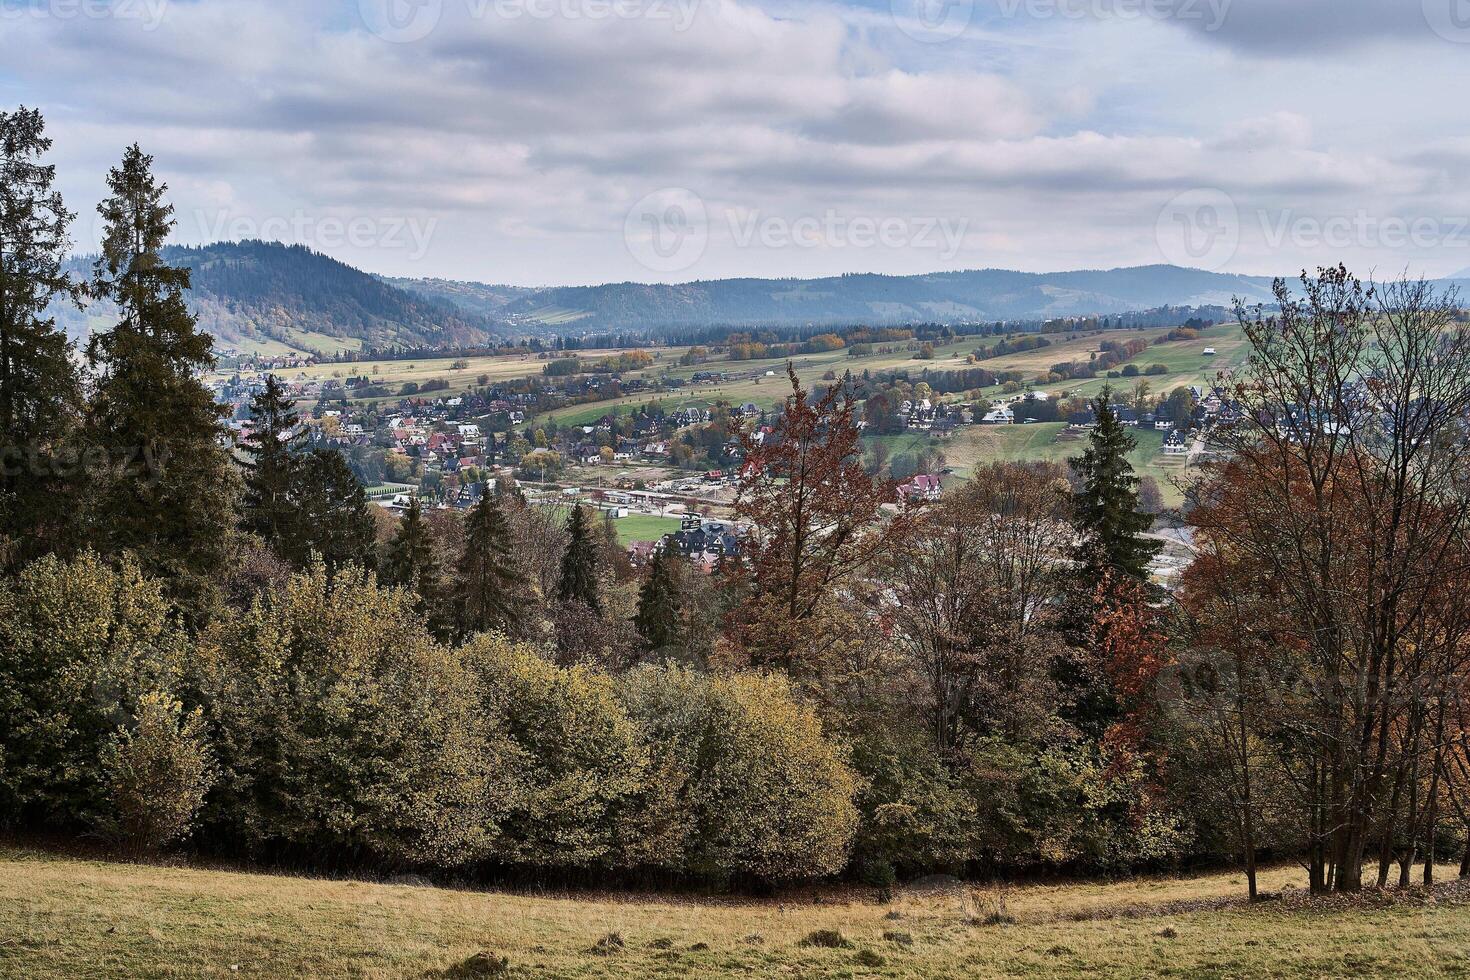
pixel 65 917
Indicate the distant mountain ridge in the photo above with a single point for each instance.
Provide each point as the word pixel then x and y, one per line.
pixel 267 297
pixel 943 297
pixel 264 295
pixel 472 297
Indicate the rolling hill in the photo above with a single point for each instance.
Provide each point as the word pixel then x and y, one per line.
pixel 271 298
pixel 989 294
pixel 473 297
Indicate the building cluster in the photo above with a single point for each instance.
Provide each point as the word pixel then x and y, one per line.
pixel 700 540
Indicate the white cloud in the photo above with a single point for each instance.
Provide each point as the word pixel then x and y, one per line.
pixel 526 138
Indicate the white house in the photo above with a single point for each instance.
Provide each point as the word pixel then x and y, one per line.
pixel 999 414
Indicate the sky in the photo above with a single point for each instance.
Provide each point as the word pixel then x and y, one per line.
pixel 553 142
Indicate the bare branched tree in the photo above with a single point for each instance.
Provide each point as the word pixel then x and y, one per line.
pixel 1339 515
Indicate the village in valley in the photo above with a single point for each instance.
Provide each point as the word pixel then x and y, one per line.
pixel 655 438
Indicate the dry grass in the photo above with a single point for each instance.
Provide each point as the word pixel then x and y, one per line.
pixel 64 917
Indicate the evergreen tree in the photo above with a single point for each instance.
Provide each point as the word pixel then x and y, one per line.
pixel 269 467
pixel 659 604
pixel 1107 510
pixel 492 591
pixel 327 514
pixel 579 564
pixel 169 497
pixel 39 391
pixel 410 560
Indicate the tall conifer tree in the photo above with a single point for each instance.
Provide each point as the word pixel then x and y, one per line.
pixel 492 591
pixel 39 390
pixel 659 606
pixel 268 479
pixel 171 493
pixel 579 564
pixel 410 560
pixel 327 514
pixel 1108 517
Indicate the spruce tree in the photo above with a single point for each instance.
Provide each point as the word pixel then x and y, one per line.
pixel 265 503
pixel 659 604
pixel 1108 517
pixel 492 591
pixel 170 495
pixel 410 561
pixel 327 514
pixel 39 389
pixel 579 564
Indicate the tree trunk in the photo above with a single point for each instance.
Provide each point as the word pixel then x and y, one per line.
pixel 1385 846
pixel 1431 819
pixel 1247 814
pixel 1250 861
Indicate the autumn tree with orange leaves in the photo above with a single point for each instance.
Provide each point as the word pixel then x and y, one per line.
pixel 813 522
pixel 1132 648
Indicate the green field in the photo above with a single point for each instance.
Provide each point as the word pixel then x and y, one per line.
pixel 642 527
pixel 1186 361
pixel 393 374
pixel 66 917
pixel 767 392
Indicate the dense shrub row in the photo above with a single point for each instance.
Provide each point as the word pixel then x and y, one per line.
pixel 325 722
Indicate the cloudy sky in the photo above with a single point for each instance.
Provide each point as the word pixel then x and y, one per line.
pixel 572 141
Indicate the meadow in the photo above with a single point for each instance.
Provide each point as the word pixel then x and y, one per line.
pixel 1185 360
pixel 640 528
pixel 70 916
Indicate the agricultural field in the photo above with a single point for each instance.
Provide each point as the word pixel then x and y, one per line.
pixel 640 528
pixel 974 446
pixel 767 392
pixel 67 917
pixel 1186 361
pixel 393 374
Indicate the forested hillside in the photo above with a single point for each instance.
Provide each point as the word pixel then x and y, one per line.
pixel 260 295
pixel 472 297
pixel 268 297
pixel 991 294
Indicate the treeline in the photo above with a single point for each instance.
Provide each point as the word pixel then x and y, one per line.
pixel 798 336
pixel 635 360
pixel 324 724
pixel 1011 345
pixel 950 382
